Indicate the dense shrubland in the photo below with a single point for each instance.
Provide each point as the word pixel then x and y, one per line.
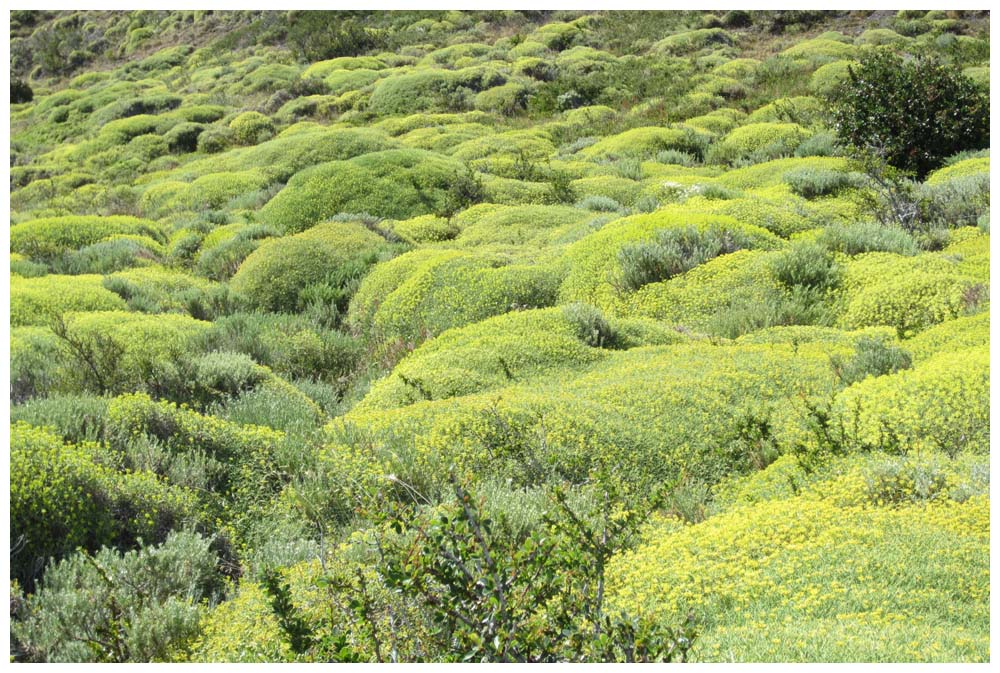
pixel 499 336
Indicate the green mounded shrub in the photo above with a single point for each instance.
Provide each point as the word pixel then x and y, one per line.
pixel 183 138
pixel 758 142
pixel 143 605
pixel 215 139
pixel 515 347
pixel 397 184
pixel 807 265
pixel 941 404
pixel 820 50
pixel 831 575
pixel 532 225
pixel 828 79
pixel 646 142
pixel 813 183
pixel 950 335
pixel 273 277
pixel 112 255
pixel 426 229
pixel 35 301
pixel 691 41
pixel 958 202
pixel 48 238
pixel 65 496
pixel 506 99
pixel 594 265
pixel 675 251
pixel 564 425
pixel 215 190
pixel 223 250
pixel 251 128
pixel 157 289
pixel 426 90
pixel 907 293
pixel 424 292
pixel 115 351
pixel 873 356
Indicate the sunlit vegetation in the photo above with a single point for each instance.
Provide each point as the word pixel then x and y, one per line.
pixel 499 336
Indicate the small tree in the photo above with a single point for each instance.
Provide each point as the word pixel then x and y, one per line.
pixel 910 112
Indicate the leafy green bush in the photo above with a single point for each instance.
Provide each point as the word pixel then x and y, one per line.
pixel 66 496
pixel 77 418
pixel 860 237
pixel 215 139
pixel 807 265
pixel 913 113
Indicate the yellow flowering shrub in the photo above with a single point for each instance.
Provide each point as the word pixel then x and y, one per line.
pixel 907 293
pixel 593 261
pixel 50 237
pixel 425 292
pixel 803 578
pixel 950 335
pixel 942 403
pixel 33 301
pixel 274 274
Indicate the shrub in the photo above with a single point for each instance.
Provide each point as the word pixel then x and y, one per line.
pixel 807 265
pixel 812 183
pixel 673 252
pixel 942 404
pixel 76 418
pixel 222 374
pixel 215 139
pixel 20 91
pixel 861 237
pixel 274 276
pixel 872 357
pixel 34 301
pixel 291 345
pixel 48 238
pixel 116 351
pixel 758 142
pixel 109 607
pixel 183 138
pixel 921 111
pixel 112 255
pixel 65 496
pixel 590 325
pixel 958 202
pixel 397 184
pixel 251 128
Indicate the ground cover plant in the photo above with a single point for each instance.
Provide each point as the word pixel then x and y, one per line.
pixel 499 336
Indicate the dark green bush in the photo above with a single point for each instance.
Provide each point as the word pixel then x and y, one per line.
pixel 183 138
pixel 912 112
pixel 20 92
